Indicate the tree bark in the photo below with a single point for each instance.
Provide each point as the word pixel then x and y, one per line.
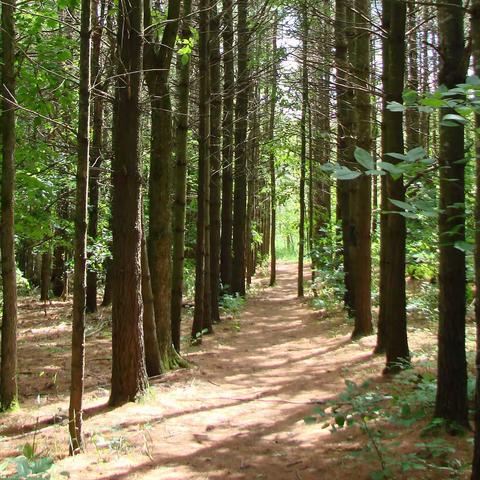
pixel 96 153
pixel 451 400
pixel 303 152
pixel 240 187
pixel 200 320
pixel 45 275
pixel 345 141
pixel 271 157
pixel 157 63
pixel 8 372
pixel 77 377
pixel 180 179
pixel 129 378
pixel 215 159
pixel 153 362
pixel 475 29
pixel 394 231
pixel 227 146
pixel 360 209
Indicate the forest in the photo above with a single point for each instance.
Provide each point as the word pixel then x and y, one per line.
pixel 240 239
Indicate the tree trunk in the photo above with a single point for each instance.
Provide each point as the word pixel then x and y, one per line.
pixel 45 275
pixel 360 209
pixel 394 232
pixel 451 401
pixel 129 378
pixel 199 315
pixel 345 141
pixel 380 346
pixel 77 376
pixel 475 24
pixel 271 157
pixel 180 180
pixel 8 372
pixel 412 116
pixel 215 159
pixel 96 155
pixel 157 63
pixel 240 188
pixel 108 289
pixel 303 153
pixel 227 146
pixel 152 353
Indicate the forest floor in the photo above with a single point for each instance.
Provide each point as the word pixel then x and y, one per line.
pixel 238 413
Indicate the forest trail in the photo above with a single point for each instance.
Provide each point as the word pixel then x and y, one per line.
pixel 238 414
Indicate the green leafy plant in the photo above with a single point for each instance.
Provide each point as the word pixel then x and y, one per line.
pixel 27 465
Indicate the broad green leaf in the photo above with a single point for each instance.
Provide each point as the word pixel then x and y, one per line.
pixel 390 168
pixel 408 214
pixel 465 247
pixel 432 102
pixel 403 205
pixel 41 465
pixel 416 154
pixel 329 167
pixel 395 107
pixel 346 174
pixel 398 156
pixel 473 80
pixel 364 158
pixel 410 97
pixel 452 119
pixel 28 451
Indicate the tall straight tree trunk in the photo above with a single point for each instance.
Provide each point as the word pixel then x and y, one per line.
pixel 451 401
pixel 96 154
pixel 475 29
pixel 227 146
pixel 412 119
pixel 380 346
pixel 180 180
pixel 345 141
pixel 157 63
pixel 303 153
pixel 252 165
pixel 153 362
pixel 108 289
pixel 8 372
pixel 215 159
pixel 199 314
pixel 241 119
pixel 271 157
pixel 394 231
pixel 75 411
pixel 360 202
pixel 45 275
pixel 129 377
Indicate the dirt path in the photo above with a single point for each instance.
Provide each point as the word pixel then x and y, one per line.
pixel 239 413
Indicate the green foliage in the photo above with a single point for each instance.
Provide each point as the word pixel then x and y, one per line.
pixel 231 304
pixel 27 465
pixel 367 407
pixel 329 285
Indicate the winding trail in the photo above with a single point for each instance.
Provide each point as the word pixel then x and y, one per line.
pixel 239 413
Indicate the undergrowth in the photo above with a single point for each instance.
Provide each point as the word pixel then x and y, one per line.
pixel 384 417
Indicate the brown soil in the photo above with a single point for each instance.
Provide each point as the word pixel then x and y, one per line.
pixel 237 414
